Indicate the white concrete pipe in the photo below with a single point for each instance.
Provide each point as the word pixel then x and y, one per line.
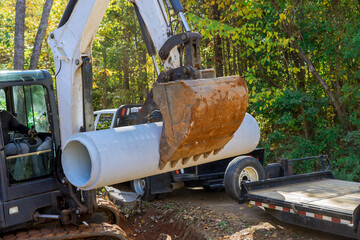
pixel 96 159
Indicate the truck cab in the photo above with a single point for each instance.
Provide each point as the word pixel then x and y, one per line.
pixel 117 117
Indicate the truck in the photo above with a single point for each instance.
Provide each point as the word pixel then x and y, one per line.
pixel 209 176
pixel 313 200
pixel 38 198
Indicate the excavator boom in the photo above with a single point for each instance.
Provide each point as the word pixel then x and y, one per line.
pixel 200 112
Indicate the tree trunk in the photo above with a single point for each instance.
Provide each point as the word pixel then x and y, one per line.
pixel 234 65
pixel 240 63
pixel 120 71
pixel 301 76
pixel 104 81
pixel 334 101
pixel 40 34
pixel 217 43
pixel 337 75
pixel 126 84
pixel 144 77
pixel 228 49
pixel 19 60
pixel 218 56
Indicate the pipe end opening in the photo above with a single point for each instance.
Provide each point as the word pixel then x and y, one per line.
pixel 76 162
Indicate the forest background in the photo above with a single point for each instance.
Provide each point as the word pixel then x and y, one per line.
pixel 298 57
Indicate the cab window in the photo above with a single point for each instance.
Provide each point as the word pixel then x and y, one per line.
pixel 2 99
pixel 105 121
pixel 27 157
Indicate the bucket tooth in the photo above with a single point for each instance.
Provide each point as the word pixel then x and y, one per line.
pixel 185 160
pixel 196 157
pixel 173 163
pixel 199 116
pixel 206 154
pixel 216 151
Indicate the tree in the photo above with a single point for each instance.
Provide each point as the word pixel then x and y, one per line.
pixel 40 34
pixel 19 59
pixel 218 49
pixel 336 102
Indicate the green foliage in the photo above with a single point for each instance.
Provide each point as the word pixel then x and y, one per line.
pixel 32 20
pixel 6 33
pixel 294 109
pixel 351 98
pixel 123 72
pixel 295 113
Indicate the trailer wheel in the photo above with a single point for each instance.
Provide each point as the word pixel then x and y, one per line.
pixel 142 187
pixel 244 168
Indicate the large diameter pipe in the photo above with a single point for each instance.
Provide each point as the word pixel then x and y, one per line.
pixel 96 159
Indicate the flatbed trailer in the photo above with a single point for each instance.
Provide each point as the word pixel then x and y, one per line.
pixel 314 200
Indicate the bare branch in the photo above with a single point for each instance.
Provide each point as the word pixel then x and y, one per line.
pixel 295 9
pixel 40 34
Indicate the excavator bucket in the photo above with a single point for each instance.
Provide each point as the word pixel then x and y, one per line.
pixel 199 116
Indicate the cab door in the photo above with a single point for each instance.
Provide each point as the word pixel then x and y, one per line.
pixel 28 105
pixel 27 179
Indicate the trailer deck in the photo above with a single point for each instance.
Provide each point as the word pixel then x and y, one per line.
pixel 314 200
pixel 329 194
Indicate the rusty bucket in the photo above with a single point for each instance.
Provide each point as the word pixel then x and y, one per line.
pixel 200 116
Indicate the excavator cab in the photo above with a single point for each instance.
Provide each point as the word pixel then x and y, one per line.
pixel 27 179
pixel 33 190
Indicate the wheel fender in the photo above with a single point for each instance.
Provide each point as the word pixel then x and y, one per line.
pixel 160 183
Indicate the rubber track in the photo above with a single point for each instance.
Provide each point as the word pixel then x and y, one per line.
pixel 110 206
pixel 110 231
pixel 93 231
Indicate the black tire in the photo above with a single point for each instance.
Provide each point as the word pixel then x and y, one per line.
pixel 142 187
pixel 245 168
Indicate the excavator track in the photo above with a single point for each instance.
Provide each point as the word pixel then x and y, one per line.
pixel 107 213
pixel 93 231
pixel 109 210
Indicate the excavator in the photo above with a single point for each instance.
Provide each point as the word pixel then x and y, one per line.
pixel 37 198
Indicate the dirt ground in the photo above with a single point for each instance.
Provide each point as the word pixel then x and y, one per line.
pixel 194 214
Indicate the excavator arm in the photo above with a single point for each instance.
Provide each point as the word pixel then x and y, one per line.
pixel 200 112
pixel 71 44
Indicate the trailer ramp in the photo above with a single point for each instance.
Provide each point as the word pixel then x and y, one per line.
pixel 314 200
